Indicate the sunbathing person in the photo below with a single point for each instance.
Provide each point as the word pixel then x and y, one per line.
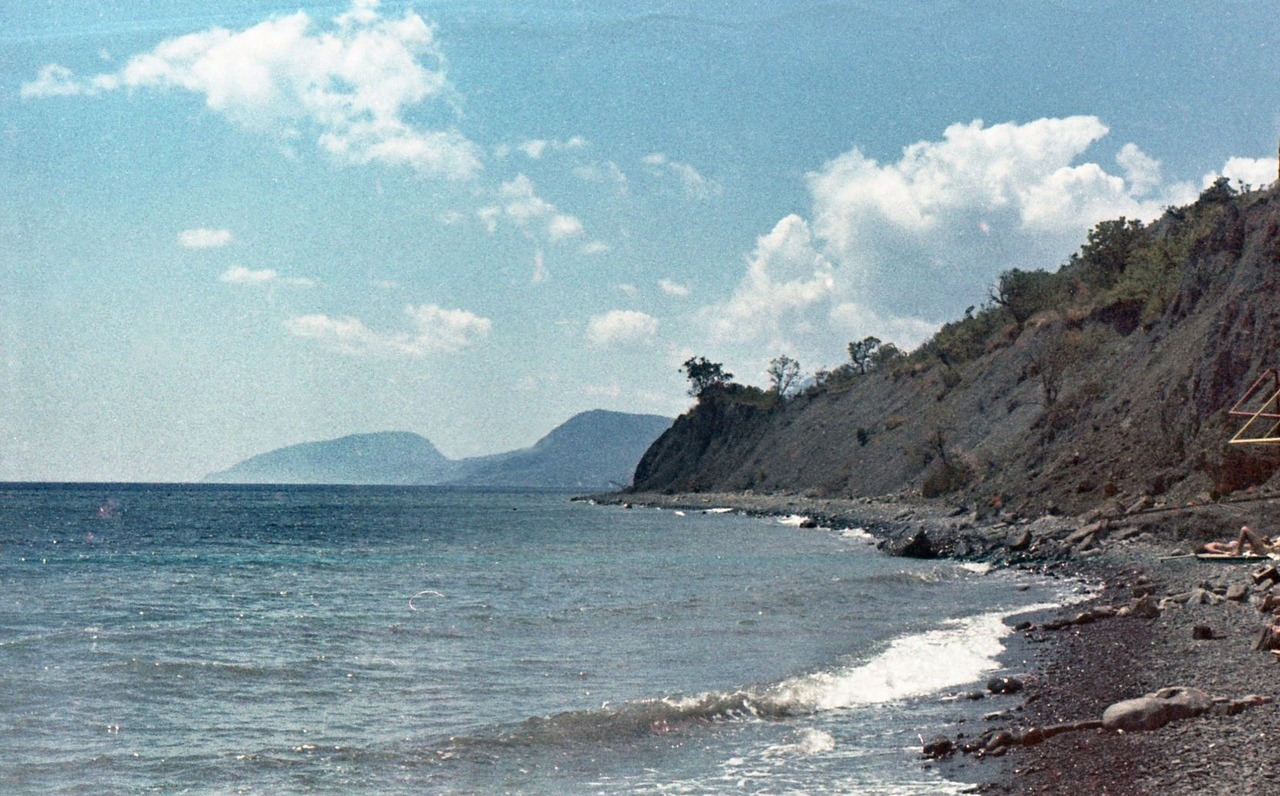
pixel 1258 544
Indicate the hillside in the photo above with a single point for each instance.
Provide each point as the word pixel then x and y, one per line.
pixel 595 450
pixel 389 457
pixel 1109 379
pixel 592 450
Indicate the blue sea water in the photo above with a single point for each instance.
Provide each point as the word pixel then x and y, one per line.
pixel 213 639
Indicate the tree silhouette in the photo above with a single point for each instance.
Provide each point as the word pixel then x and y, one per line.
pixel 704 375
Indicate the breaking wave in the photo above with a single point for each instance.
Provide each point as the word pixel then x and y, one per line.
pixel 962 651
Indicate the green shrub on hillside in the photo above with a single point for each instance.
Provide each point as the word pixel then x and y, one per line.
pixel 1125 275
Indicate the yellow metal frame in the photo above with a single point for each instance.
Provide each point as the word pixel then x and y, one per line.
pixel 1268 410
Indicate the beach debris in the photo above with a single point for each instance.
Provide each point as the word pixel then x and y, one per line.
pixel 1082 618
pixel 996 742
pixel 1268 639
pixel 1141 504
pixel 1197 596
pixel 1155 710
pixel 1231 707
pixel 1268 574
pixel 1142 714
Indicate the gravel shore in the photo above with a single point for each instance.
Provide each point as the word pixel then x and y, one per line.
pixel 1075 670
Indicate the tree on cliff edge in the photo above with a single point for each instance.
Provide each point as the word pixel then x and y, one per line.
pixel 704 375
pixel 783 374
pixel 860 353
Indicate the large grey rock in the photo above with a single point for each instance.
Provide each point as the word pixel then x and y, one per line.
pixel 1153 711
pixel 918 546
pixel 1023 542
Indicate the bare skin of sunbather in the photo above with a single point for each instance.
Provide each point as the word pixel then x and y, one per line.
pixel 1258 544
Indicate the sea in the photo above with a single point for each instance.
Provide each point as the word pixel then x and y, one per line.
pixel 298 640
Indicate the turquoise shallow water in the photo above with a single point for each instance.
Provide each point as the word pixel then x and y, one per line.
pixel 219 639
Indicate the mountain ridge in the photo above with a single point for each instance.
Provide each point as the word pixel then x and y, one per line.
pixel 597 449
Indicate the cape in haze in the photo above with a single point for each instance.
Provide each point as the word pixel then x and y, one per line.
pixel 596 450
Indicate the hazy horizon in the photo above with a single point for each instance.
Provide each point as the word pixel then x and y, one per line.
pixel 234 227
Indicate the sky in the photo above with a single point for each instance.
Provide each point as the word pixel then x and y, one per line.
pixel 229 227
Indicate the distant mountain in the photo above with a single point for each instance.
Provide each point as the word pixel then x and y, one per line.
pixel 388 457
pixel 592 450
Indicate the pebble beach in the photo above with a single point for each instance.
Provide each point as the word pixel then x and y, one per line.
pixel 1161 619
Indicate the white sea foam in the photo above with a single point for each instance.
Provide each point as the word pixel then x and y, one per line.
pixel 811 741
pixel 960 652
pixel 857 533
pixel 794 520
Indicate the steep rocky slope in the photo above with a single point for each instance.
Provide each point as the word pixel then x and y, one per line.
pixel 1136 404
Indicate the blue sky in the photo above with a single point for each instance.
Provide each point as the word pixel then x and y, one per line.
pixel 235 226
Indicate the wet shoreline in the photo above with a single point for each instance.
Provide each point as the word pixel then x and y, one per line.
pixel 1077 661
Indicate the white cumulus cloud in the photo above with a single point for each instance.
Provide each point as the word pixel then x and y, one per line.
pixel 691 181
pixel 433 331
pixel 203 238
pixel 786 279
pixel 520 204
pixel 619 328
pixel 535 148
pixel 1257 172
pixel 348 84
pixel 239 275
pixel 673 288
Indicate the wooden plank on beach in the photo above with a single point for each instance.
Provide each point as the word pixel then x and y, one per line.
pixel 1230 559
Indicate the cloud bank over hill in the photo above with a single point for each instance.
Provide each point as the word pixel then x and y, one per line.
pixel 894 249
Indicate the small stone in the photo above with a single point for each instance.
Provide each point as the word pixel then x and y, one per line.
pixel 1203 633
pixel 1004 685
pixel 938 746
pixel 999 740
pixel 1144 607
